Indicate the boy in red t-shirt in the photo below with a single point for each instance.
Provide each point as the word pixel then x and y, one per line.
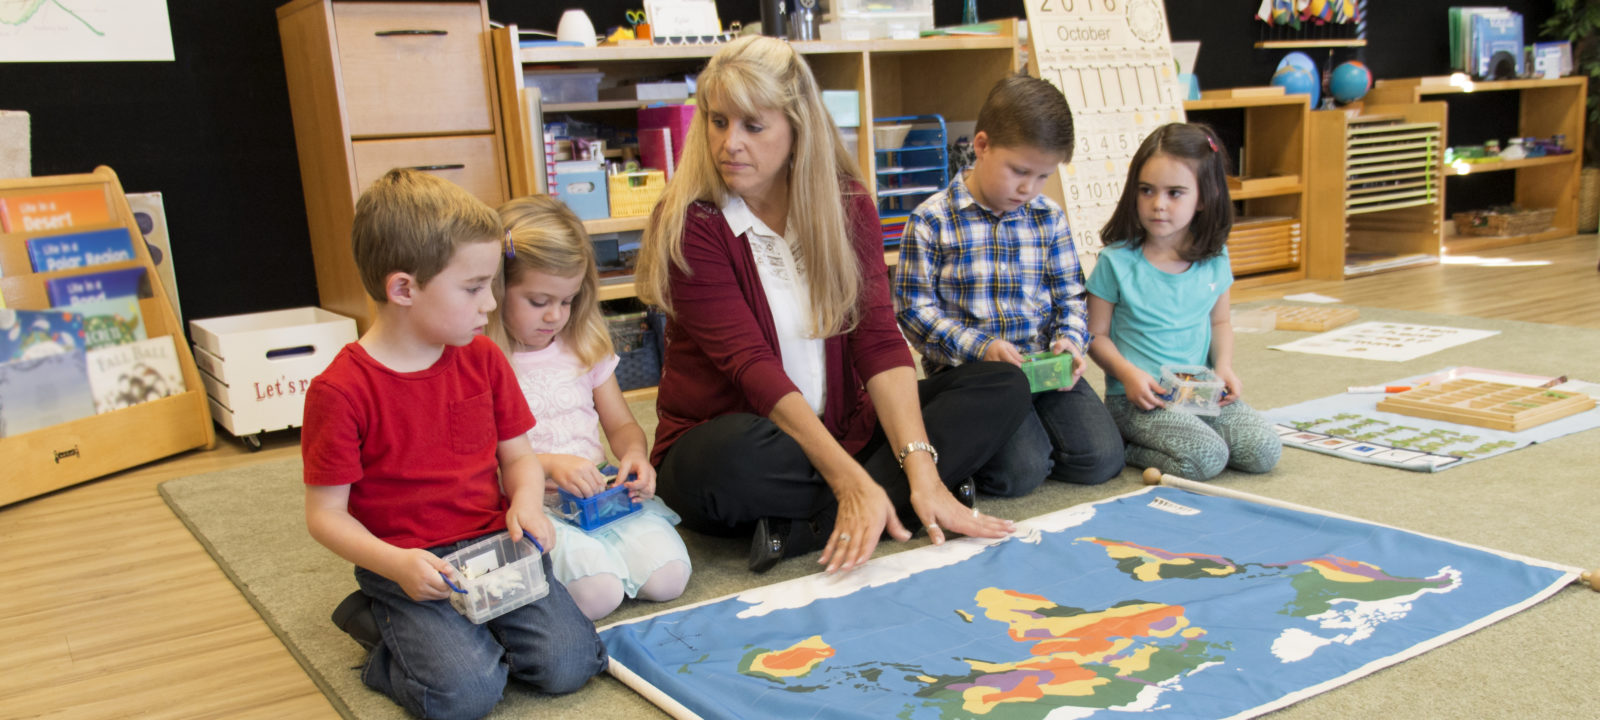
pixel 414 446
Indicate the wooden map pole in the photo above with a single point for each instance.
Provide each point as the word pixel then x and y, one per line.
pixel 1154 476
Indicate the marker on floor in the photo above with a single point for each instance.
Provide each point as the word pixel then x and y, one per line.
pixel 1378 388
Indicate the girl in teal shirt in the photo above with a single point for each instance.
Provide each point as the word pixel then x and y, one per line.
pixel 1159 296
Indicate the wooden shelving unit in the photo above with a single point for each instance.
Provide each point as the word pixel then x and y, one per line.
pixel 71 452
pixel 887 73
pixel 1545 108
pixel 1271 186
pixel 1377 189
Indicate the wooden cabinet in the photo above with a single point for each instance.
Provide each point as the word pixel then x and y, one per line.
pixel 379 85
pixel 1377 195
pixel 1544 108
pixel 947 76
pixel 1270 188
pixel 67 453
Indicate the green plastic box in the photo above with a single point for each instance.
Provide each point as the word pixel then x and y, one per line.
pixel 1047 372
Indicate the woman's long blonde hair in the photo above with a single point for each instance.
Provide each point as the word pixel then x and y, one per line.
pixel 547 237
pixel 747 76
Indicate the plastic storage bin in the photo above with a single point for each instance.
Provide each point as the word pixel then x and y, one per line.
pixel 1047 372
pixel 598 510
pixel 256 367
pixel 876 19
pixel 565 86
pixel 1192 389
pixel 498 575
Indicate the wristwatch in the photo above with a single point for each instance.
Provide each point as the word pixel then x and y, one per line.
pixel 914 446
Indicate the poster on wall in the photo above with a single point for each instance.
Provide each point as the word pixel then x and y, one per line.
pixel 1113 61
pixel 84 31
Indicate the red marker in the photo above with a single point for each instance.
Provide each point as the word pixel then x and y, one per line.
pixel 1378 388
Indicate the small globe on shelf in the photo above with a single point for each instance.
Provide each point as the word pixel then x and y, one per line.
pixel 1297 79
pixel 1350 82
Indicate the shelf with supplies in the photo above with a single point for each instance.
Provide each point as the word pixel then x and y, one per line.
pixel 888 78
pixel 1377 197
pixel 1269 241
pixel 52 456
pixel 1545 108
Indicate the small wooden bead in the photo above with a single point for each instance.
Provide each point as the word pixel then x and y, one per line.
pixel 1591 578
pixel 1152 476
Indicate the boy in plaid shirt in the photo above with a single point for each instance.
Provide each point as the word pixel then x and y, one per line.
pixel 988 271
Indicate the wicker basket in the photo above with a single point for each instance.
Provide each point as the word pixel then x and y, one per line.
pixel 1503 221
pixel 1589 200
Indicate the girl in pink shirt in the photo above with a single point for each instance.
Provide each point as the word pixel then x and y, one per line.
pixel 548 322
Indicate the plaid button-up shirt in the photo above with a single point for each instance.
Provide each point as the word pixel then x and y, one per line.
pixel 967 276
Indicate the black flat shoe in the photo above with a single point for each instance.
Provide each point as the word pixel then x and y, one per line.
pixel 967 492
pixel 768 544
pixel 354 616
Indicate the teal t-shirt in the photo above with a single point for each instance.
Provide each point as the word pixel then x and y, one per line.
pixel 1160 318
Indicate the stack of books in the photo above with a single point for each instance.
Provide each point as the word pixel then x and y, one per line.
pixel 89 352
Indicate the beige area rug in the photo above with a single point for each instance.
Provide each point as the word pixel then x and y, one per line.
pixel 1541 501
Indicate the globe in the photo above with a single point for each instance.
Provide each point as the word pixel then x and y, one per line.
pixel 1295 79
pixel 1350 82
pixel 1298 59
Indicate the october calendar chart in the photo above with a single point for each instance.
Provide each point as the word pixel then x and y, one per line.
pixel 1113 61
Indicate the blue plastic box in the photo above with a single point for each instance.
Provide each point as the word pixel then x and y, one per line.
pixel 601 509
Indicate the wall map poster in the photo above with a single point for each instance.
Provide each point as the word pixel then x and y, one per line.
pixel 1113 61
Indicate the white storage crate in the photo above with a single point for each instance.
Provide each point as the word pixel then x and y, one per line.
pixel 256 367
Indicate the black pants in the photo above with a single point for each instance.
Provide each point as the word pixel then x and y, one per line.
pixel 728 472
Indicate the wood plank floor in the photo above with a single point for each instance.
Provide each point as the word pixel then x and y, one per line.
pixel 109 608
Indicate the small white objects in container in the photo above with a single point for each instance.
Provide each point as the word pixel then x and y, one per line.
pixel 496 575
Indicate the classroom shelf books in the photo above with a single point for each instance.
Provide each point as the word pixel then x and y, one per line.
pixel 93 375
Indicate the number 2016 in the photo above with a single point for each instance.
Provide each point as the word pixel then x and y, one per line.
pixel 1070 5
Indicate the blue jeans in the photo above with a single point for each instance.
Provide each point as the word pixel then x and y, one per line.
pixel 1069 436
pixel 437 664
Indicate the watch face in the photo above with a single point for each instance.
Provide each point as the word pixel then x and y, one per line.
pixel 1144 19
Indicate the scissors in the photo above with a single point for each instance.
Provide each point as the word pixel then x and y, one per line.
pixel 635 18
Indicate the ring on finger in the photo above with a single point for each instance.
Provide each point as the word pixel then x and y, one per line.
pixel 844 537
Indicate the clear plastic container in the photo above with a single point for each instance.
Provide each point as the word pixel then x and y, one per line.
pixel 498 575
pixel 565 86
pixel 1192 389
pixel 1047 372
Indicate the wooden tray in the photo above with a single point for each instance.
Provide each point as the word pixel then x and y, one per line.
pixel 1497 406
pixel 1313 319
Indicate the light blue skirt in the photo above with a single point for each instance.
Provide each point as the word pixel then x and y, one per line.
pixel 631 548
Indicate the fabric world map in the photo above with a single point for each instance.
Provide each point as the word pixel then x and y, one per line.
pixel 1160 602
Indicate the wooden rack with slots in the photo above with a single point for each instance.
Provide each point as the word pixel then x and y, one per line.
pixel 1496 406
pixel 71 452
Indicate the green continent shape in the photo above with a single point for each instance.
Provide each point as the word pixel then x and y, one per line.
pixel 1315 594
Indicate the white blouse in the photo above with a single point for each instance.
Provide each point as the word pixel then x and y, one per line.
pixel 784 281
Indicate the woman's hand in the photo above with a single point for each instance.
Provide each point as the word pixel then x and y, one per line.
pixel 643 484
pixel 864 513
pixel 574 474
pixel 942 513
pixel 1142 390
pixel 1230 380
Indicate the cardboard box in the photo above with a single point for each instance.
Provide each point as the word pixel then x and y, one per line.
pixel 585 192
pixel 256 367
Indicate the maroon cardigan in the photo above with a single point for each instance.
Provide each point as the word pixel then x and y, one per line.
pixel 722 349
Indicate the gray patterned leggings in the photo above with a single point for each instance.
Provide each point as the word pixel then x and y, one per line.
pixel 1196 447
